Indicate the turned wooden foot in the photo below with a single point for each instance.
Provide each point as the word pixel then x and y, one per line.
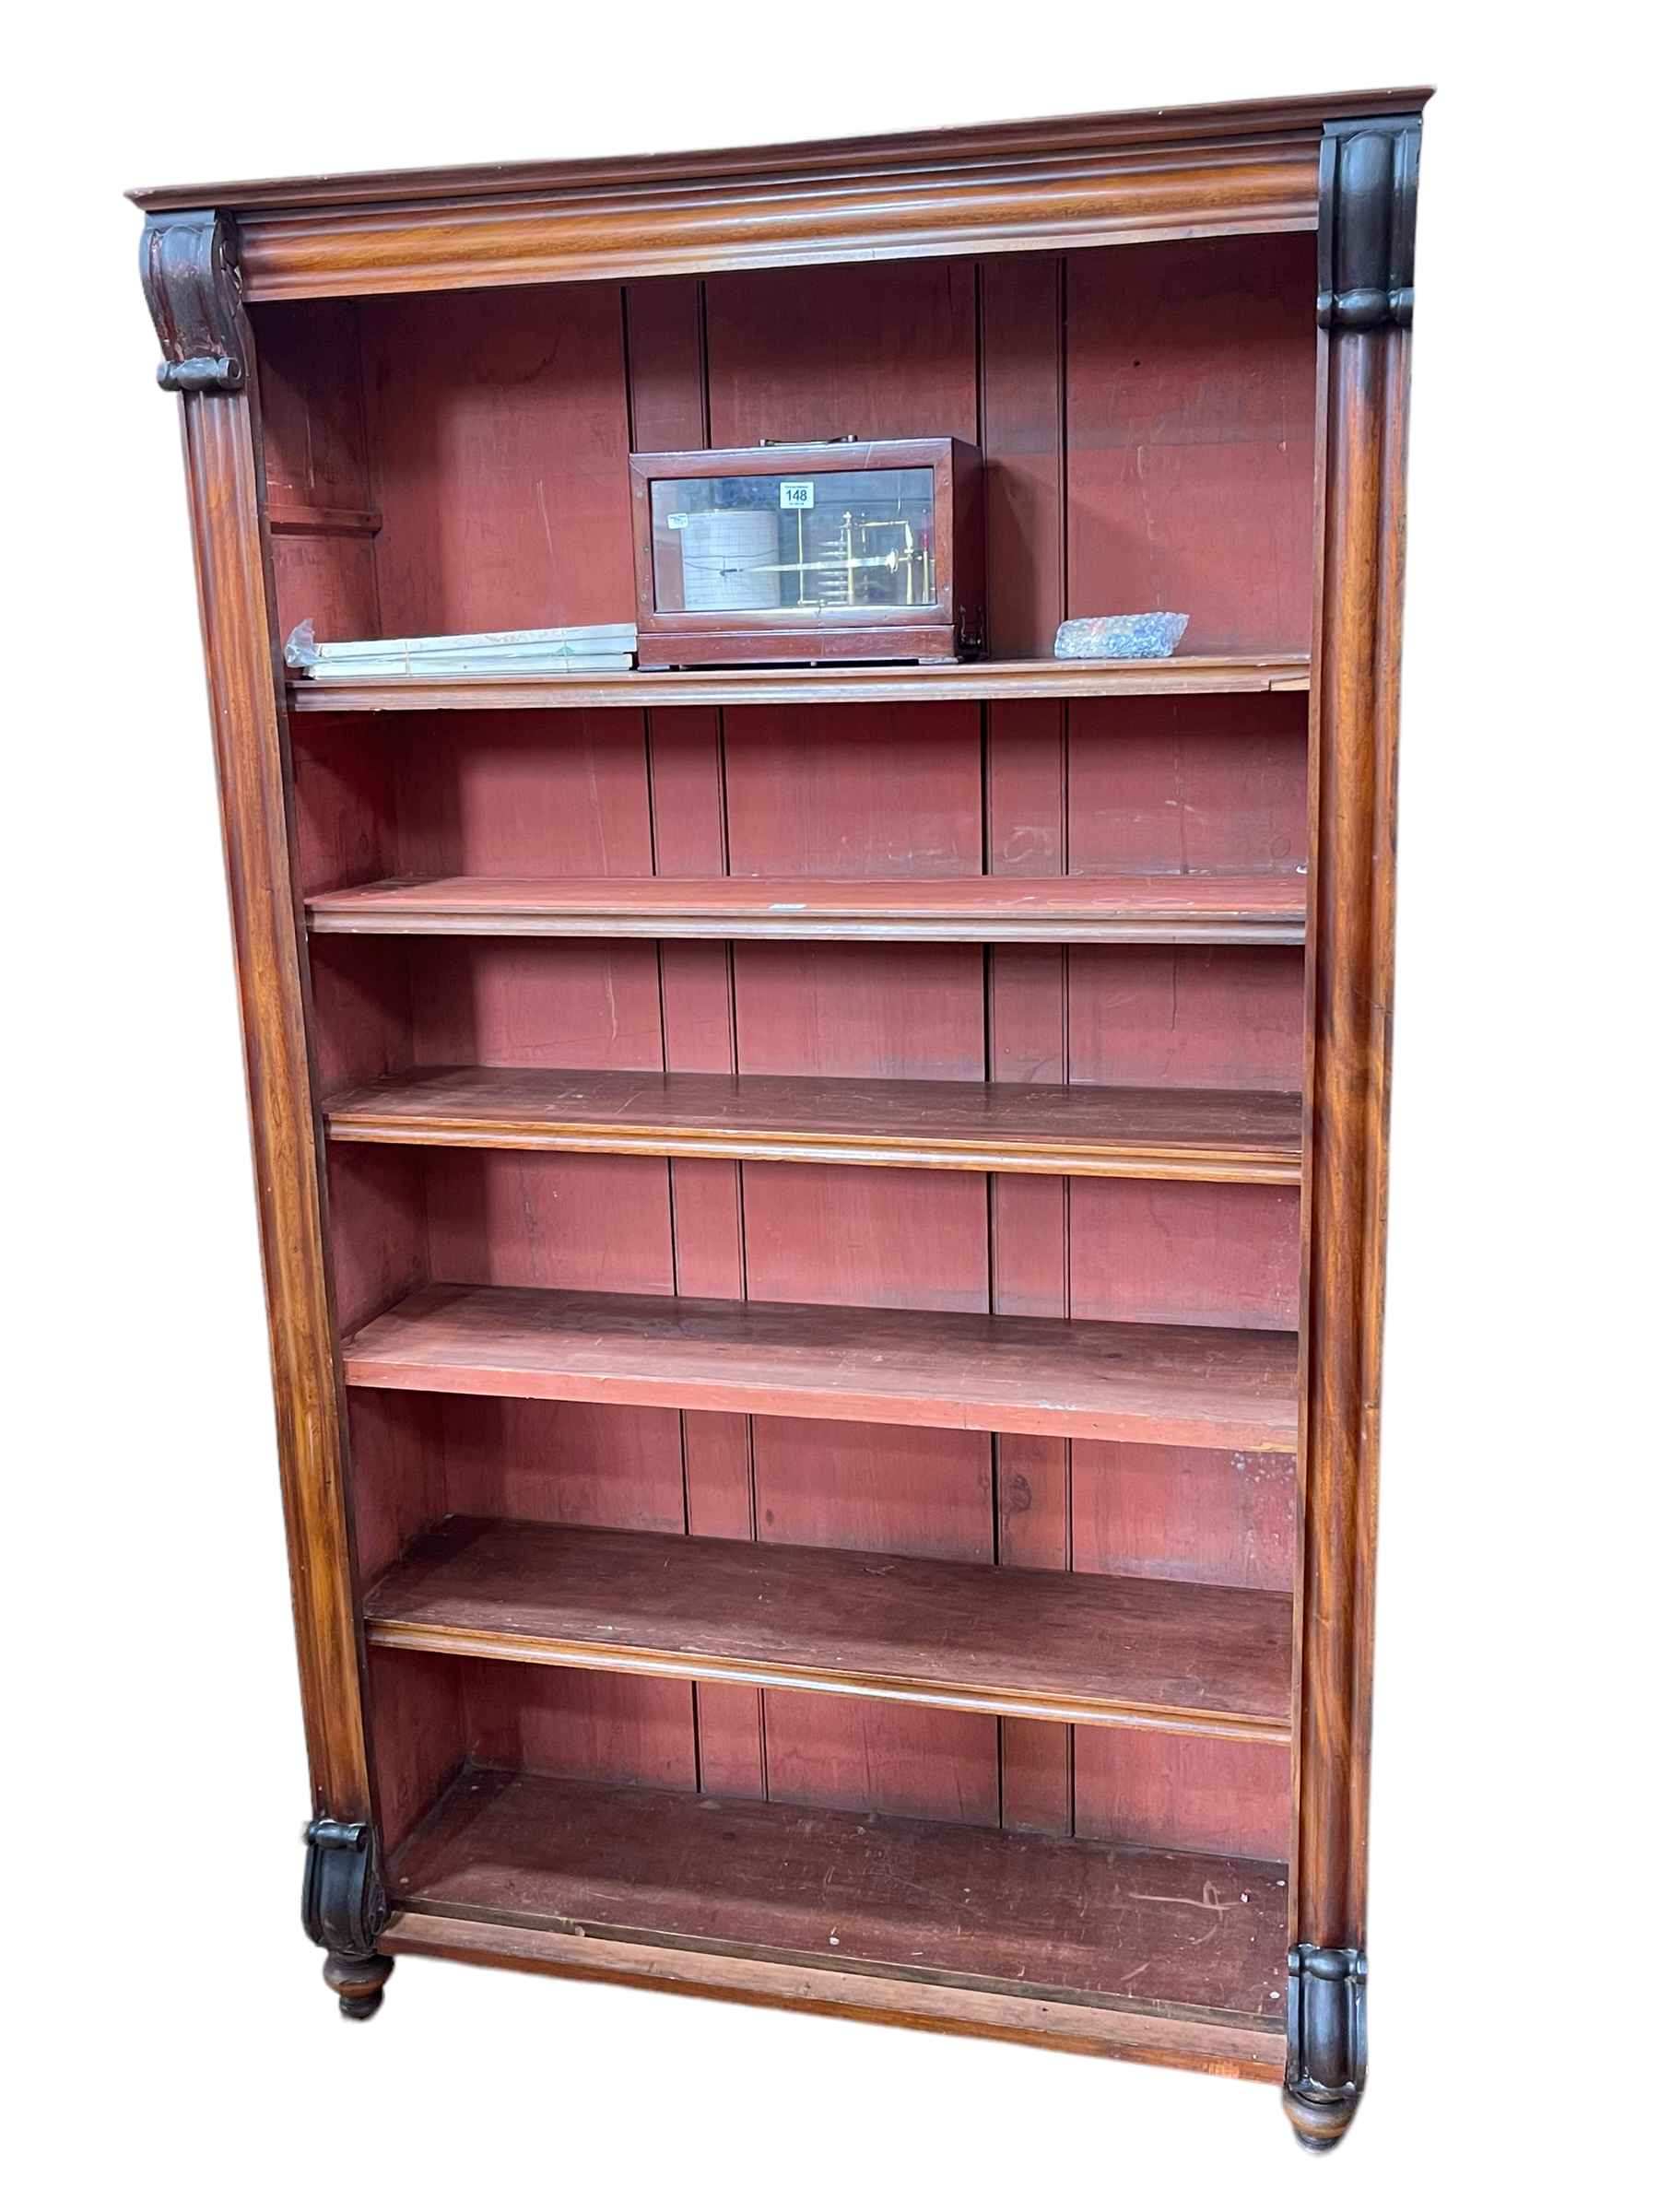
pixel 360 1983
pixel 1319 2124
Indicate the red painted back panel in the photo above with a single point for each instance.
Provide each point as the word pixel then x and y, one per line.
pixel 498 440
pixel 879 349
pixel 1145 415
pixel 1190 438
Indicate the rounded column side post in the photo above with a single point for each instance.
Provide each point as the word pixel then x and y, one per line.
pixel 1367 190
pixel 189 269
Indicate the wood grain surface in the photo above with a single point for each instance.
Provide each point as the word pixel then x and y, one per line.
pixel 1090 1648
pixel 1160 1932
pixel 1034 1128
pixel 1127 130
pixel 1223 1388
pixel 1186 676
pixel 1351 993
pixel 1144 910
pixel 236 594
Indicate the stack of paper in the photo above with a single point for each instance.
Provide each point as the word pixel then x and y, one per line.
pixel 593 648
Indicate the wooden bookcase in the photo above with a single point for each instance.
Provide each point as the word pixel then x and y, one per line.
pixel 824 1226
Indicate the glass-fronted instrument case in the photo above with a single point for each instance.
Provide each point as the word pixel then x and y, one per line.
pixel 853 550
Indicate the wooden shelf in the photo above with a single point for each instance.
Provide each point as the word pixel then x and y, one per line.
pixel 1131 910
pixel 1225 1389
pixel 1008 1128
pixel 1095 1946
pixel 1178 1657
pixel 844 685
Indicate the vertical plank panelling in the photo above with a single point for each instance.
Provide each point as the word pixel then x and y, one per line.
pixel 1183 1793
pixel 668 411
pixel 549 1221
pixel 1022 433
pixel 874 1237
pixel 1229 1018
pixel 554 1720
pixel 491 794
pixel 344 801
pixel 913 1010
pixel 1213 522
pixel 377 1246
pixel 502 1002
pixel 1185 1516
pixel 1190 396
pixel 945 790
pixel 1029 1216
pixel 316 457
pixel 1225 1256
pixel 667 397
pixel 415 1704
pixel 515 794
pixel 577 1223
pixel 397 1486
pixel 865 791
pixel 499 439
pixel 855 1753
pixel 344 809
pixel 891 795
pixel 595 1466
pixel 1201 1254
pixel 882 350
pixel 1190 786
pixel 686 790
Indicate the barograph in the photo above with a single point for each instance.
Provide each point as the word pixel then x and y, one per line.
pixel 856 549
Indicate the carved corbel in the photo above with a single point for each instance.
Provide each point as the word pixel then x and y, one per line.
pixel 188 266
pixel 343 1907
pixel 1368 173
pixel 1324 2069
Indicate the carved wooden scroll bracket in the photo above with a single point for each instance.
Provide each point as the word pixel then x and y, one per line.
pixel 188 264
pixel 1368 175
pixel 1324 2074
pixel 343 1907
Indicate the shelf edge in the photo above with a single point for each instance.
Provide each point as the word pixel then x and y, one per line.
pixel 1127 1163
pixel 1202 677
pixel 373 1371
pixel 1212 2045
pixel 437 922
pixel 622 1659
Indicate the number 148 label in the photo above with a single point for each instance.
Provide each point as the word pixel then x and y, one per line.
pixel 794 495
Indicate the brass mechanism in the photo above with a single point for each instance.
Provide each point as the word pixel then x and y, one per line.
pixel 840 557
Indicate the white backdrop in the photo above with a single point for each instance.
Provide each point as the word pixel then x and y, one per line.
pixel 175 2035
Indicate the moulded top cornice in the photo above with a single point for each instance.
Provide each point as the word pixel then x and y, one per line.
pixel 992 143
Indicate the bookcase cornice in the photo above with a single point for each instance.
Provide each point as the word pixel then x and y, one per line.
pixel 1071 183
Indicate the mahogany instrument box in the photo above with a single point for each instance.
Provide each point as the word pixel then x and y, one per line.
pixel 855 550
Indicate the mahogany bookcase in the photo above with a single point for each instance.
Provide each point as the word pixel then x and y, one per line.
pixel 823 1227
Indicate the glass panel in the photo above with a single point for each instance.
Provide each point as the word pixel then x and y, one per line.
pixel 830 538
